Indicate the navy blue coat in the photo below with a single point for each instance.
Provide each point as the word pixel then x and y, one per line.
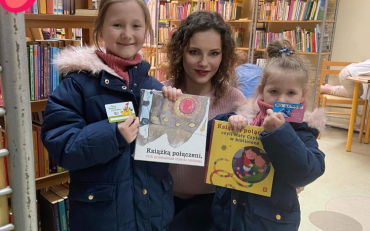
pixel 109 190
pixel 294 153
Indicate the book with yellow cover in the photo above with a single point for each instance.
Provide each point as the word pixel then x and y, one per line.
pixel 238 160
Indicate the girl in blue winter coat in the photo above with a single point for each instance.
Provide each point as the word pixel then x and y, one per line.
pixel 291 148
pixel 109 190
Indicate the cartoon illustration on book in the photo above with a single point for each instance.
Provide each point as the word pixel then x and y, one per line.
pixel 238 161
pixel 251 164
pixel 174 128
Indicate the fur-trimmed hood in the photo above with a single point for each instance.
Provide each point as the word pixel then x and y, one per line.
pixel 77 59
pixel 249 108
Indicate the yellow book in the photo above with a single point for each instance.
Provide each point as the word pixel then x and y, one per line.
pixel 46 162
pixel 42 6
pixel 238 160
pixel 311 44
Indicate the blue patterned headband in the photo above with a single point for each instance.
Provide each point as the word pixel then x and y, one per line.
pixel 284 50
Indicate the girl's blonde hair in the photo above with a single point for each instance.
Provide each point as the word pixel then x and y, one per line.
pixel 103 7
pixel 283 61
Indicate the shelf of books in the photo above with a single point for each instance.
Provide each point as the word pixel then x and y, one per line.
pixel 309 25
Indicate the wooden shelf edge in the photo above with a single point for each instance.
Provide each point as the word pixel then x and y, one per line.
pixel 52 179
pixel 295 21
pixel 242 48
pixel 37 106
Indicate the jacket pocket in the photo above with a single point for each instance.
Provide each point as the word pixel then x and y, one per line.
pixel 269 218
pixel 93 206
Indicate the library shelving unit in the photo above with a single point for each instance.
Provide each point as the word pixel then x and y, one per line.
pixel 325 26
pixel 172 21
pixel 18 108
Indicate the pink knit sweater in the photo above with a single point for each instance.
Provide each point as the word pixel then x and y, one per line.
pixel 189 180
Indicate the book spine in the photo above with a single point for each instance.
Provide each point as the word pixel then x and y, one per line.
pixel 35 153
pixel 29 10
pixel 51 69
pixel 60 6
pixel 54 167
pixel 35 7
pixel 55 6
pixel 32 75
pixel 46 162
pixel 40 148
pixel 38 72
pixel 49 7
pixel 62 216
pixel 57 72
pixel 66 205
pixel 56 217
pixel 46 71
pixel 42 72
pixel 42 6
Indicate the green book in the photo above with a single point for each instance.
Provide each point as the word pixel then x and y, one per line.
pixel 32 75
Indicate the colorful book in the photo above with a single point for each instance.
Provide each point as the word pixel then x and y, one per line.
pixel 172 132
pixel 32 75
pixel 62 192
pixel 238 160
pixel 35 153
pixel 39 72
pixel 42 6
pixel 35 7
pixel 46 162
pixel 49 211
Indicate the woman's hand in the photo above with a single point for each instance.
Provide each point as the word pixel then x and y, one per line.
pixel 238 122
pixel 171 93
pixel 129 128
pixel 273 121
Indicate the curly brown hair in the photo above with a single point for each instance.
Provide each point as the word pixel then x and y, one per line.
pixel 198 22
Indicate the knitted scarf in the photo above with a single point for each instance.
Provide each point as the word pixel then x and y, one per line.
pixel 118 64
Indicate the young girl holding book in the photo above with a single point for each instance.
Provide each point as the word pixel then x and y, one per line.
pixel 109 190
pixel 291 148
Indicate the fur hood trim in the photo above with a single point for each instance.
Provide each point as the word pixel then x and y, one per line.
pixel 77 59
pixel 249 108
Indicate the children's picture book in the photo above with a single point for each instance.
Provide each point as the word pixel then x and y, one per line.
pixel 172 132
pixel 238 160
pixel 291 112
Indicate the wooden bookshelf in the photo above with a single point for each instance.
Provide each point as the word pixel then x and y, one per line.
pixel 239 21
pixel 52 179
pixel 39 105
pixel 294 21
pixel 59 21
pixel 242 48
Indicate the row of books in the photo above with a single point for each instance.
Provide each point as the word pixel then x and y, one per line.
pixel 53 207
pixel 177 11
pixel 230 10
pixel 66 7
pixel 44 76
pixel 238 35
pixel 305 40
pixel 164 34
pixel 289 10
pixel 44 165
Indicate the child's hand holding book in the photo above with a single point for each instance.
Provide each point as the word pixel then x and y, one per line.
pixel 238 122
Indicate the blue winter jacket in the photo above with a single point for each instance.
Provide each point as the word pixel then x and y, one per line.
pixel 109 190
pixel 294 153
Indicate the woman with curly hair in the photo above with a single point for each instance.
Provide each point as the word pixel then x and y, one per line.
pixel 201 62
